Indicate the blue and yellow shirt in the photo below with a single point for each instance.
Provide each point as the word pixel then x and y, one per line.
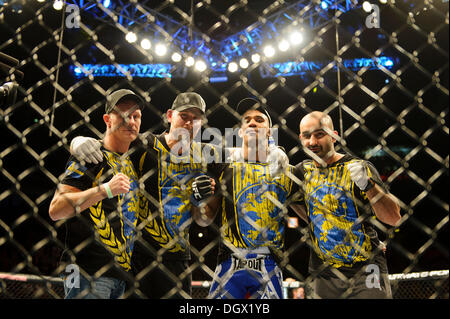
pixel 168 180
pixel 338 212
pixel 111 221
pixel 254 208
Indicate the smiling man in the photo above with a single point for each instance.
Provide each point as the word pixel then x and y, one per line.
pixel 317 136
pixel 342 195
pixel 100 203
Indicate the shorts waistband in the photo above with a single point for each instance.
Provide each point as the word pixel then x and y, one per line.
pixel 258 251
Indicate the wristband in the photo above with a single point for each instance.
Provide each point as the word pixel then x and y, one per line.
pixel 108 190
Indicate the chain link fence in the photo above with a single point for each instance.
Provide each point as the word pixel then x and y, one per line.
pixel 378 68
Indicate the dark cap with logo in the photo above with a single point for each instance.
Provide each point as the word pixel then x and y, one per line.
pixel 250 103
pixel 122 94
pixel 188 100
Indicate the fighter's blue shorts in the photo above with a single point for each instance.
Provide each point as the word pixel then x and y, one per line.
pixel 255 276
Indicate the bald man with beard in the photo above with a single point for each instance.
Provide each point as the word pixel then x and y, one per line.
pixel 343 194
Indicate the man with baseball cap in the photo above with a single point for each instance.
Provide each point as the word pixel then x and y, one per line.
pixel 252 213
pixel 250 103
pixel 169 174
pixel 276 158
pixel 185 118
pixel 100 203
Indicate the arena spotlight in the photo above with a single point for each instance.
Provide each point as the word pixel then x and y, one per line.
pixel 160 49
pixel 388 63
pixel 256 58
pixel 283 45
pixel 176 57
pixel 190 61
pixel 243 63
pixel 200 65
pixel 106 3
pixel 324 5
pixel 383 1
pixel 77 70
pixel 58 4
pixel 367 6
pixel 40 0
pixel 232 67
pixel 146 44
pixel 131 37
pixel 296 38
pixel 269 51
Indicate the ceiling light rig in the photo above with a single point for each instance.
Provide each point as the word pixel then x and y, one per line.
pixel 280 33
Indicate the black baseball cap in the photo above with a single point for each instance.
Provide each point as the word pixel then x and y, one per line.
pixel 115 97
pixel 250 103
pixel 188 100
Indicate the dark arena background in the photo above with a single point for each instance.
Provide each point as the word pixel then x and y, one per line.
pixel 379 68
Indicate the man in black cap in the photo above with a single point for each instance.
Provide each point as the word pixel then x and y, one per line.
pixel 100 202
pixel 170 172
pixel 252 213
pixel 253 140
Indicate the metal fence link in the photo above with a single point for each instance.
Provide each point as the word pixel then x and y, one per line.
pixel 379 68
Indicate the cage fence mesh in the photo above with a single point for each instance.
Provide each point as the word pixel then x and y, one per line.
pixel 378 68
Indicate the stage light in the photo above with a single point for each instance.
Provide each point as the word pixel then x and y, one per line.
pixel 386 62
pixel 283 45
pixel 232 67
pixel 190 61
pixel 367 6
pixel 256 58
pixel 269 51
pixel 296 38
pixel 160 49
pixel 200 65
pixel 176 57
pixel 58 5
pixel 383 1
pixel 243 63
pixel 146 44
pixel 131 37
pixel 40 0
pixel 324 5
pixel 106 3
